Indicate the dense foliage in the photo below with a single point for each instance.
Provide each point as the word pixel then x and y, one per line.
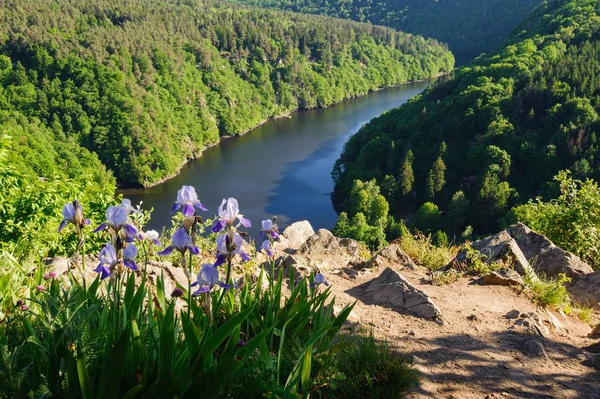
pixel 468 26
pixel 145 85
pixel 466 151
pixel 571 221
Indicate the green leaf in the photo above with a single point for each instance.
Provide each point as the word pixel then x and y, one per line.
pixel 215 339
pixel 112 373
pixel 87 391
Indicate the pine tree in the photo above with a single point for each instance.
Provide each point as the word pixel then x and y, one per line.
pixel 436 178
pixel 407 177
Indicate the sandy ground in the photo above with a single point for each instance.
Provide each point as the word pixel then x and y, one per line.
pixel 476 353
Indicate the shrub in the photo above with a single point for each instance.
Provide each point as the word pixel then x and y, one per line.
pixel 551 293
pixel 422 250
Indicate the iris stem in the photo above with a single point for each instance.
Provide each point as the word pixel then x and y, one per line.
pixel 223 289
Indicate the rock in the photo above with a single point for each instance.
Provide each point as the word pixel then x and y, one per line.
pixel 352 247
pixel 499 248
pixel 59 265
pixel 391 256
pixel 595 332
pixel 535 348
pixel 390 289
pixel 547 257
pixel 595 360
pixel 297 233
pixel 504 276
pixel 321 243
pixel 586 290
pixel 513 314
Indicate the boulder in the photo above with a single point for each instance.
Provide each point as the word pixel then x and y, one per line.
pixel 595 332
pixel 595 360
pixel 586 290
pixel 500 248
pixel 391 290
pixel 297 233
pixel 59 265
pixel 391 256
pixel 535 348
pixel 546 257
pixel 504 276
pixel 321 243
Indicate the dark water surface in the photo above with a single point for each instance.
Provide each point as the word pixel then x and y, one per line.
pixel 281 168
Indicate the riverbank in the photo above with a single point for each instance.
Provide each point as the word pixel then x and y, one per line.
pixel 126 187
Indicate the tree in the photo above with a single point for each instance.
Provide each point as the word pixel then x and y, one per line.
pixel 407 177
pixel 457 211
pixel 436 178
pixel 427 217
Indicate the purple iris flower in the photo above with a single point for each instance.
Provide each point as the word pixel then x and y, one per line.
pixel 126 204
pixel 187 198
pixel 266 246
pixel 117 218
pixel 318 280
pixel 181 241
pixel 224 248
pixel 229 211
pixel 72 213
pixel 129 254
pixel 108 259
pixel 207 279
pixel 269 228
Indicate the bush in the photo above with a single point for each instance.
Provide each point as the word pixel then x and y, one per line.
pixel 551 293
pixel 370 368
pixel 422 250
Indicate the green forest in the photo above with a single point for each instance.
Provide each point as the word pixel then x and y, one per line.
pixel 133 90
pixel 460 156
pixel 468 26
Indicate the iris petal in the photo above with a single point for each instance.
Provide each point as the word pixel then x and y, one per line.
pixel 175 207
pixel 188 210
pixel 167 251
pixel 103 226
pixel 62 225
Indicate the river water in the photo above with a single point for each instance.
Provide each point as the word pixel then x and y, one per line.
pixel 281 168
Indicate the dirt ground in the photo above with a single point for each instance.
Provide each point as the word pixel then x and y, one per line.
pixel 477 353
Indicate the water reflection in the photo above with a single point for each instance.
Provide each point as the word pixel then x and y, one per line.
pixel 281 168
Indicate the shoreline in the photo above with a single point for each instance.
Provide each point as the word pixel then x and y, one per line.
pixel 128 187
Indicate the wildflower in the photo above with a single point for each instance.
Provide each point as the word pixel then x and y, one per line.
pixel 266 246
pixel 319 279
pixel 126 205
pixel 73 213
pixel 108 260
pixel 187 198
pixel 225 248
pixel 181 241
pixel 241 343
pixel 49 276
pixel 269 229
pixel 116 219
pixel 24 308
pixel 229 211
pixel 150 235
pixel 177 292
pixel 207 279
pixel 20 303
pixel 40 288
pixel 129 254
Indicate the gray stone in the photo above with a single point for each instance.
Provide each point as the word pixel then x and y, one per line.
pixel 392 290
pixel 586 290
pixel 504 276
pixel 297 233
pixel 321 243
pixel 513 314
pixel 535 348
pixel 546 257
pixel 59 265
pixel 595 332
pixel 391 256
pixel 595 360
pixel 500 248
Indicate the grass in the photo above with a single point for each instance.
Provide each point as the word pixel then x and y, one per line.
pixel 446 277
pixel 371 368
pixel 550 293
pixel 583 313
pixel 422 250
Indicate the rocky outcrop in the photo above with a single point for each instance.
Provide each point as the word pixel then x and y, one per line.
pixel 391 256
pixel 547 258
pixel 392 290
pixel 504 276
pixel 296 234
pixel 500 248
pixel 586 290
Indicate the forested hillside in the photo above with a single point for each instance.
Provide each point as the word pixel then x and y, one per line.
pixel 141 86
pixel 493 136
pixel 468 26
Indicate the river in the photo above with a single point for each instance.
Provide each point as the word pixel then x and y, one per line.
pixel 281 168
